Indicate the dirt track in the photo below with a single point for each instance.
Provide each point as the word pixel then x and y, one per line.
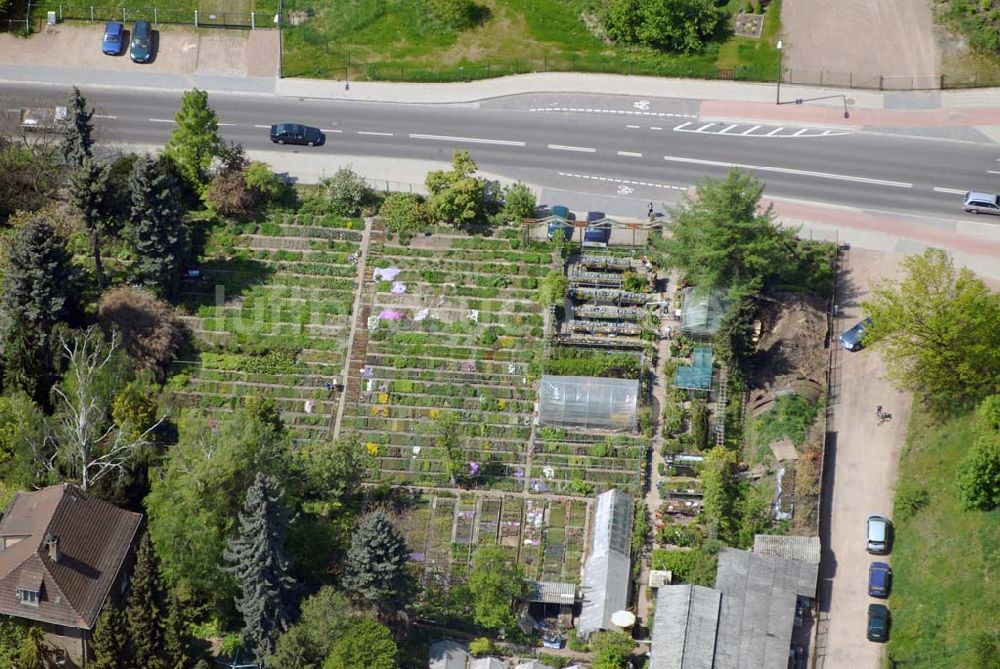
pixel 865 38
pixel 860 474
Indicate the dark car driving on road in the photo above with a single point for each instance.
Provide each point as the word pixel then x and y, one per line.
pixel 296 133
pixel 141 50
pixel 114 38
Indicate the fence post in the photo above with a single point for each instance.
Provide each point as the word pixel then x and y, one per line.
pixel 821 78
pixel 155 16
pixel 253 20
pixel 91 13
pixel 941 85
pixel 60 14
pixel 196 18
pixel 880 82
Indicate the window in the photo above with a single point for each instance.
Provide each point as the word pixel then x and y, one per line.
pixel 28 597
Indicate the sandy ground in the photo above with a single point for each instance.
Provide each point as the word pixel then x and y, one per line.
pixel 860 472
pixel 177 50
pixel 855 41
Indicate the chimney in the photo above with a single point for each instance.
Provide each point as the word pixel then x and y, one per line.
pixel 52 546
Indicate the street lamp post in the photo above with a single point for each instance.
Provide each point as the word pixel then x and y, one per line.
pixel 777 99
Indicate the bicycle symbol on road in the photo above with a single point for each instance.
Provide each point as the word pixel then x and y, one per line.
pixel 625 190
pixel 642 105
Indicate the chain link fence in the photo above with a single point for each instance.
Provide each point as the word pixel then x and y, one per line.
pixel 37 15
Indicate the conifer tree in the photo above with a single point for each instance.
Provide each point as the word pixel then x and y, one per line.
pixel 176 640
pixel 195 140
pixel 145 610
pixel 257 559
pixel 375 570
pixel 109 644
pixel 88 189
pixel 155 230
pixel 78 139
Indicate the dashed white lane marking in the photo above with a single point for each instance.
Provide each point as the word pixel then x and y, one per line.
pixel 581 149
pixel 160 120
pixel 224 125
pixel 788 170
pixel 633 127
pixel 630 154
pixel 612 180
pixel 655 127
pixel 109 116
pixel 952 191
pixel 620 112
pixel 376 134
pixel 329 130
pixel 992 172
pixel 267 126
pixel 467 140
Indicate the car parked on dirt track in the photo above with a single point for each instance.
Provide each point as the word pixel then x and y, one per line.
pixel 851 339
pixel 878 623
pixel 879 580
pixel 113 42
pixel 879 529
pixel 296 133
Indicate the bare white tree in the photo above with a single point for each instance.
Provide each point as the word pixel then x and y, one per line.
pixel 87 438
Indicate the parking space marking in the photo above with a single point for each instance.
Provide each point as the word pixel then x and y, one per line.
pixel 632 182
pixel 747 132
pixel 620 112
pixel 728 128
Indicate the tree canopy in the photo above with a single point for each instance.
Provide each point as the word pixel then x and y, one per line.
pixel 679 26
pixel 938 329
pixel 376 564
pixel 78 139
pixel 195 140
pixel 720 239
pixel 365 644
pixel 154 228
pixel 457 195
pixel 496 584
pixel 979 473
pixel 611 650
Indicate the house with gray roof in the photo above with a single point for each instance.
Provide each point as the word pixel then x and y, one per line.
pixel 606 572
pixel 448 654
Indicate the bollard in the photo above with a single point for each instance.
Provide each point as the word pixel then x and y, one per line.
pixel 196 18
pixel 253 20
pixel 91 13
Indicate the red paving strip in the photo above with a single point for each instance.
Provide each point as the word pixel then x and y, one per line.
pixel 896 228
pixel 832 115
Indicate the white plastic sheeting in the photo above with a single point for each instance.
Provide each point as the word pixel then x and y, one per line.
pixel 588 402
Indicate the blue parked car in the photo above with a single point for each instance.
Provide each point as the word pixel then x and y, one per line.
pixel 594 232
pixel 879 580
pixel 141 50
pixel 114 38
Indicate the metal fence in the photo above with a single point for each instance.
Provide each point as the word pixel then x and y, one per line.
pixel 37 15
pixel 885 82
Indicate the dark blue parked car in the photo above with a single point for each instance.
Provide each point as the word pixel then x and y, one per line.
pixel 595 233
pixel 851 339
pixel 141 50
pixel 879 580
pixel 114 38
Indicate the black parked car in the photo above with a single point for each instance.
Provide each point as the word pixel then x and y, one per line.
pixel 295 133
pixel 141 49
pixel 878 623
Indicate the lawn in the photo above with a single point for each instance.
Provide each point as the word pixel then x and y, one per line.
pixel 944 559
pixel 393 39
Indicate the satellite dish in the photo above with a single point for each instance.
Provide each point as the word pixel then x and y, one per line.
pixel 623 619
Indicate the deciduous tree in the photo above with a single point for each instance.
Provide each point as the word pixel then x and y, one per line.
pixel 155 229
pixel 325 618
pixel 195 140
pixel 366 643
pixel 194 503
pixel 611 650
pixel 457 195
pixel 979 473
pixel 376 564
pixel 347 193
pixel 89 443
pixel 256 558
pixel 938 329
pixel 496 585
pixel 403 213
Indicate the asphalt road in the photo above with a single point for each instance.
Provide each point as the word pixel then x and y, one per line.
pixel 581 150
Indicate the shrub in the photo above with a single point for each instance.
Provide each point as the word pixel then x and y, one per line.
pixel 699 424
pixel 404 212
pixel 552 290
pixel 259 177
pixel 979 474
pixel 150 330
pixel 229 194
pixel 481 646
pixel 347 193
pixel 455 14
pixel 696 566
pixel 518 204
pixel 910 498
